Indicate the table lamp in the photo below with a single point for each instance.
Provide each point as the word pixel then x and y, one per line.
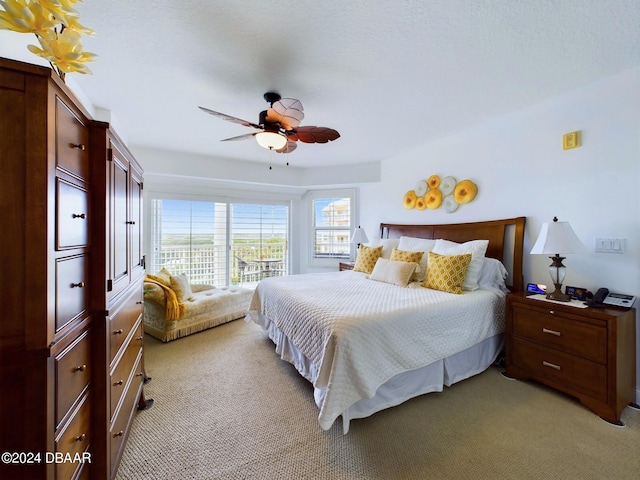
pixel 557 237
pixel 359 236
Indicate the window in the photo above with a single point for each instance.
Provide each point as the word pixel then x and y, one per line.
pixel 332 214
pixel 219 243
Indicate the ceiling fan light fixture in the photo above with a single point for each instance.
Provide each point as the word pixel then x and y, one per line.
pixel 271 140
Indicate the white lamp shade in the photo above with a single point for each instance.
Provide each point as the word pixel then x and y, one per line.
pixel 558 237
pixel 271 140
pixel 359 236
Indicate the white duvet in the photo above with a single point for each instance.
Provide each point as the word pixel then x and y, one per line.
pixel 359 333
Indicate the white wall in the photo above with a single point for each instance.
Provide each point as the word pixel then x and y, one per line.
pixel 521 170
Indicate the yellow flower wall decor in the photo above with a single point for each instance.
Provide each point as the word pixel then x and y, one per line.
pixel 55 24
pixel 435 192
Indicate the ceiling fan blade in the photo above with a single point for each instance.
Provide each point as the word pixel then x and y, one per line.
pixel 288 112
pixel 288 148
pixel 316 134
pixel 229 118
pixel 239 137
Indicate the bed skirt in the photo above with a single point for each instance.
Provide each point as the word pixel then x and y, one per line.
pixel 402 387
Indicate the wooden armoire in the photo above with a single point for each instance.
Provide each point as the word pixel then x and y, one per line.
pixel 71 338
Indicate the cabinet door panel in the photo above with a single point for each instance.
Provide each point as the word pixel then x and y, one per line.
pixel 118 244
pixel 135 224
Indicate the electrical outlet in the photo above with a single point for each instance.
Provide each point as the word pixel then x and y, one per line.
pixel 609 245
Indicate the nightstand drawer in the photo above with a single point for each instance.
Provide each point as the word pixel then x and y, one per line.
pixel 571 336
pixel 580 375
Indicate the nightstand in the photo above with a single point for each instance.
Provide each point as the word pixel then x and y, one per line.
pixel 588 353
pixel 346 266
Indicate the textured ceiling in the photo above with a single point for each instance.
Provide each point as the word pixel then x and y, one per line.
pixel 388 75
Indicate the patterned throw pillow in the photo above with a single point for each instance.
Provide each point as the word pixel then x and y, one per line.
pixel 413 256
pixel 477 249
pixel 404 256
pixel 447 272
pixel 367 258
pixel 182 288
pixel 415 244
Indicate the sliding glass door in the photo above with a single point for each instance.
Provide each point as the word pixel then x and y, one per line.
pixel 219 243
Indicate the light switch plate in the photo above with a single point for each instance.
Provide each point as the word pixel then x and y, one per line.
pixel 609 245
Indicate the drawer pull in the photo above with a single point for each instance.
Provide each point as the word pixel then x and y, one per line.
pixel 139 374
pixel 119 382
pixel 551 312
pixel 551 365
pixel 138 303
pixel 138 338
pixel 78 215
pixel 80 438
pixel 119 434
pixel 79 146
pixel 80 368
pixel 117 332
pixel 552 332
pixel 130 222
pixel 77 285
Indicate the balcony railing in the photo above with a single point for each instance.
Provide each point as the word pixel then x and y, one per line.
pixel 248 262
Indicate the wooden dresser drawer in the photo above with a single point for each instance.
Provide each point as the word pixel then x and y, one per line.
pixel 71 289
pixel 122 372
pixel 73 440
pixel 123 320
pixel 121 423
pixel 72 374
pixel 72 217
pixel 578 374
pixel 548 328
pixel 72 142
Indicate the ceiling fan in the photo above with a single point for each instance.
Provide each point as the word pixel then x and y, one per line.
pixel 278 126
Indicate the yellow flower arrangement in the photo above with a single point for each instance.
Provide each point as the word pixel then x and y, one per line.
pixel 55 24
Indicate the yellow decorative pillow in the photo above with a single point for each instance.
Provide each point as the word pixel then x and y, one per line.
pixel 163 277
pixel 447 272
pixel 406 256
pixel 367 258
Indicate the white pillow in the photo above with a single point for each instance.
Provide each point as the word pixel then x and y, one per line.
pixel 477 249
pixel 492 276
pixel 391 271
pixel 388 244
pixel 414 244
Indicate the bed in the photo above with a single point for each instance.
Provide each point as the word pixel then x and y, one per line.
pixel 367 345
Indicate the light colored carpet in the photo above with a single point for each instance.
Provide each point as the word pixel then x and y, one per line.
pixel 226 407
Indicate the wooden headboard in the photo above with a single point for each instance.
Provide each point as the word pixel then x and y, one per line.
pixel 506 240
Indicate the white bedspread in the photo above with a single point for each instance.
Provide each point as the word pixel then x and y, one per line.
pixel 359 333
